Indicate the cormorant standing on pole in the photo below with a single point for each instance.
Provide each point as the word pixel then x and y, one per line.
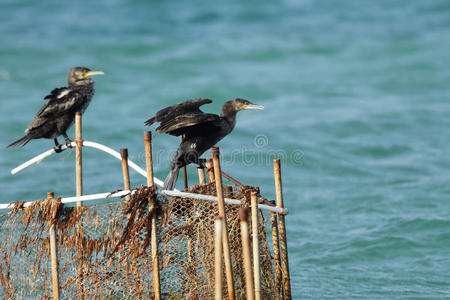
pixel 201 130
pixel 58 113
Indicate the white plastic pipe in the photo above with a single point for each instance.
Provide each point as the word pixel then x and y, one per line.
pixel 227 200
pixel 98 146
pixel 174 193
pixel 91 197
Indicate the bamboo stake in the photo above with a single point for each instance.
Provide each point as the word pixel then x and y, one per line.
pixel 79 192
pixel 249 287
pixel 255 240
pixel 154 234
pixel 282 229
pixel 201 175
pixel 222 213
pixel 184 169
pixel 276 254
pixel 218 271
pixel 210 169
pixel 78 157
pixel 126 187
pixel 54 256
pixel 125 171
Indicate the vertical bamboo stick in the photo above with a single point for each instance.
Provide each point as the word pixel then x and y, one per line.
pixel 186 185
pixel 125 171
pixel 222 213
pixel 126 186
pixel 249 287
pixel 79 192
pixel 54 256
pixel 255 240
pixel 276 254
pixel 78 157
pixel 154 234
pixel 201 175
pixel 218 271
pixel 282 229
pixel 210 169
pixel 148 157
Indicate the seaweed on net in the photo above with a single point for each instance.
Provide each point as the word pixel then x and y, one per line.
pixel 104 250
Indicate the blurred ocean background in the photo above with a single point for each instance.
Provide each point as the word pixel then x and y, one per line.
pixel 357 106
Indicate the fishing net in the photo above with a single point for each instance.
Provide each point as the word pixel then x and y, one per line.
pixel 104 249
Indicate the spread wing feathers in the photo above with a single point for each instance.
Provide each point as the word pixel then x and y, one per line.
pixel 171 112
pixel 190 124
pixel 59 102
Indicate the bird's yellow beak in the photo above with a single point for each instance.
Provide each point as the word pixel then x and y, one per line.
pixel 252 106
pixel 93 73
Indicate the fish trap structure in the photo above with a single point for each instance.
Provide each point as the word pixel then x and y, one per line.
pixel 144 242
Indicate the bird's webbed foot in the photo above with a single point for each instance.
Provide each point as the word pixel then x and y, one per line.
pixel 58 148
pixel 68 141
pixel 69 144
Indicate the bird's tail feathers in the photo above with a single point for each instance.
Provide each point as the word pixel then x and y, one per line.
pixel 22 141
pixel 171 179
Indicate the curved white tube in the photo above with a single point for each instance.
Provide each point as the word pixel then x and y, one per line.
pixel 95 145
pixel 175 193
pixel 117 155
pixel 37 159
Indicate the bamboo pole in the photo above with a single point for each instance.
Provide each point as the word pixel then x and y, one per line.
pixel 154 234
pixel 79 192
pixel 282 229
pixel 201 175
pixel 210 169
pixel 186 185
pixel 255 240
pixel 54 255
pixel 249 287
pixel 222 213
pixel 126 187
pixel 218 271
pixel 125 171
pixel 78 157
pixel 276 254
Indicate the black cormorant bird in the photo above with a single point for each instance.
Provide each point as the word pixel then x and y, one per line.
pixel 58 113
pixel 201 131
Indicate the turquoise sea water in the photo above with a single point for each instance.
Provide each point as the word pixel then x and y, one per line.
pixel 357 105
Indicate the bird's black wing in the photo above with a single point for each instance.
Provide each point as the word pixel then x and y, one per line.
pixel 171 112
pixel 57 93
pixel 191 124
pixel 60 102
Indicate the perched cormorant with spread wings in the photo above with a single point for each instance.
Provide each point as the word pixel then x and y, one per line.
pixel 200 130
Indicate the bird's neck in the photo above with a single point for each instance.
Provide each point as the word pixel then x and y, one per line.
pixel 229 116
pixel 85 84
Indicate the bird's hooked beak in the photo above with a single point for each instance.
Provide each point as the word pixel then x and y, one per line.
pixel 93 73
pixel 252 106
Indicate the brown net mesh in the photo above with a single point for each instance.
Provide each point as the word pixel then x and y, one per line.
pixel 110 256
